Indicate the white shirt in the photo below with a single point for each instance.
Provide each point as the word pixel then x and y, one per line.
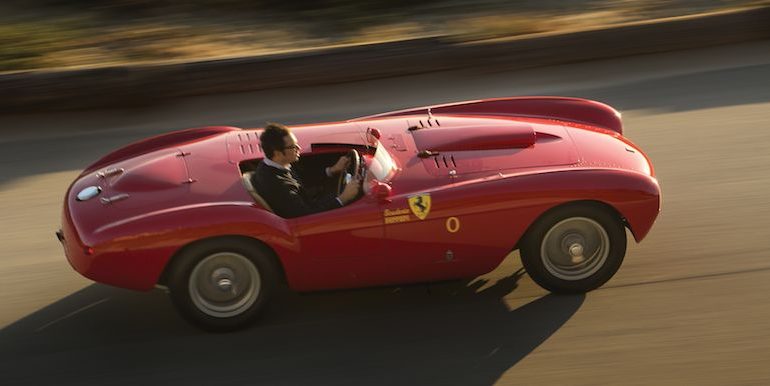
pixel 274 164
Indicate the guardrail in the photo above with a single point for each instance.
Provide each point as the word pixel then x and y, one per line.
pixel 146 84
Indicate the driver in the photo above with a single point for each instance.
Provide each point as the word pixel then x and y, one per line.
pixel 281 187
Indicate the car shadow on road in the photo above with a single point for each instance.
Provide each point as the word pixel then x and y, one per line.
pixel 447 333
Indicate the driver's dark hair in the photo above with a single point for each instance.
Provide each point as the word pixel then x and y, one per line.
pixel 272 139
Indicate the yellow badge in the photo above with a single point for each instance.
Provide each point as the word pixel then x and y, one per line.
pixel 420 205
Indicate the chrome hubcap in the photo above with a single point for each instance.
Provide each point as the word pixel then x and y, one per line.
pixel 576 252
pixel 224 284
pixel 223 277
pixel 575 248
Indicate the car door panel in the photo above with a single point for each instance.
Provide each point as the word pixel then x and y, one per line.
pixel 339 244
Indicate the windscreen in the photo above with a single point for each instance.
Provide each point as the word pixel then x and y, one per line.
pixel 381 168
pixel 382 164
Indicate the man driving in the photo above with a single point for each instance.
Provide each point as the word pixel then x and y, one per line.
pixel 281 186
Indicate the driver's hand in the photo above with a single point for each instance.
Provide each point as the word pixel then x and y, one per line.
pixel 351 191
pixel 341 165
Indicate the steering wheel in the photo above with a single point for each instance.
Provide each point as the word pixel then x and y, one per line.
pixel 353 171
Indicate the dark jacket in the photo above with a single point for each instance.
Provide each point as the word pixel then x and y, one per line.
pixel 283 191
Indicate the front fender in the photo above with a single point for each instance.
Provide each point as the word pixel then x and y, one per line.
pixel 635 196
pixel 515 201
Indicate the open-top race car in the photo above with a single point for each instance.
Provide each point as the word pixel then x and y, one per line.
pixel 448 192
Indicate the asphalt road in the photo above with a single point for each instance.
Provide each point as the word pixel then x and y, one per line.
pixel 689 305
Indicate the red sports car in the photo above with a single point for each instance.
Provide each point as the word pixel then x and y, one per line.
pixel 448 191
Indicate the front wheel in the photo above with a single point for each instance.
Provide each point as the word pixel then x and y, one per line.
pixel 222 285
pixel 574 249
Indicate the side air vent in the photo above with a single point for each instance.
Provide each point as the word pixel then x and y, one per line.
pixel 445 161
pixel 430 122
pixel 244 145
pixel 424 124
pixel 248 143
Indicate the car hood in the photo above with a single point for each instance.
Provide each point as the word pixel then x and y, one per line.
pixel 463 147
pixel 600 148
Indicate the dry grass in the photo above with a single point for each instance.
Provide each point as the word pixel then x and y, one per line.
pixel 41 37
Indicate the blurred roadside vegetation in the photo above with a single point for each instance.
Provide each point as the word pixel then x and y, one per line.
pixel 38 34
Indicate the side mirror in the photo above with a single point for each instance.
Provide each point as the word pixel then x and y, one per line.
pixel 381 192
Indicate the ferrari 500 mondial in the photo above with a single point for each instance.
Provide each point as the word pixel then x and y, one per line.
pixel 448 192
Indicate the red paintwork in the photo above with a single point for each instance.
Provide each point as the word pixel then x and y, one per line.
pixel 501 136
pixel 576 110
pixel 512 160
pixel 158 142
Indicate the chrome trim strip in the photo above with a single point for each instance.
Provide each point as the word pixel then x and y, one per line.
pixel 117 197
pixel 110 172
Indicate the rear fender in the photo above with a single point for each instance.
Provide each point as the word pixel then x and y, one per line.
pixel 135 252
pixel 158 142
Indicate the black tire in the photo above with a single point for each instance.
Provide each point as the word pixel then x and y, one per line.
pixel 574 249
pixel 213 286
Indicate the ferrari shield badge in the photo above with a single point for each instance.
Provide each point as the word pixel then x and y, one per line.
pixel 420 205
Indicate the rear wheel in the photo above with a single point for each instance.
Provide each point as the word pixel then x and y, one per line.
pixel 222 285
pixel 574 249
